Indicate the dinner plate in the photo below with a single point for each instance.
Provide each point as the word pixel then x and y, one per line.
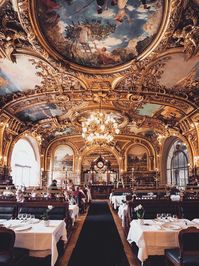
pixel 172 226
pixel 23 228
pixel 34 221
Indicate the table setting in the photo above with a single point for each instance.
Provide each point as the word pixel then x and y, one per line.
pixel 153 236
pixel 32 234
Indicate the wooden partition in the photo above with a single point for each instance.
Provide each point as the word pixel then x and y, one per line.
pixel 154 206
pixel 37 207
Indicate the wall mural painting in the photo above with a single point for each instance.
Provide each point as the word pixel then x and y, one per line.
pixel 180 76
pixel 19 76
pixel 62 163
pixel 39 112
pixel 64 131
pixel 169 115
pixel 99 33
pixel 137 158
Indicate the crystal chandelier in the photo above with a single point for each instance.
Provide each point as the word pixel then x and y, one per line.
pixel 100 128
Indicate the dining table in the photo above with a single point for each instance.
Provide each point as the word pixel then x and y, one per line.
pixel 117 200
pixel 39 239
pixel 152 237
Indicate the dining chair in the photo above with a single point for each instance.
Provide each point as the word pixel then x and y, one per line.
pixel 7 240
pixel 188 252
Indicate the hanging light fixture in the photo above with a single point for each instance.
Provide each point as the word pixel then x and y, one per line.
pixel 100 128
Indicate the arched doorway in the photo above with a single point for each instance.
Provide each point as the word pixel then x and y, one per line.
pixel 99 167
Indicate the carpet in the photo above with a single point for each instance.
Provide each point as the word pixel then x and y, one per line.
pixel 99 243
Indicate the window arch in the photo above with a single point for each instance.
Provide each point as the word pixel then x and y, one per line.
pixel 25 164
pixel 62 164
pixel 178 164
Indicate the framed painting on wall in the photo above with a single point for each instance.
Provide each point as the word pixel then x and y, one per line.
pixel 62 163
pixel 137 158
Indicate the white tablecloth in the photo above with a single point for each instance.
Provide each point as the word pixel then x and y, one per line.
pixel 74 212
pixel 40 237
pixel 153 238
pixel 123 213
pixel 116 200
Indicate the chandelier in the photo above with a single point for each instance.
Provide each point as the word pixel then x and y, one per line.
pixel 100 128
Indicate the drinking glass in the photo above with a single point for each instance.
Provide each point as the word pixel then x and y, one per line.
pixel 168 216
pixel 28 216
pixel 24 215
pixel 20 216
pixel 158 216
pixel 163 216
pixel 174 217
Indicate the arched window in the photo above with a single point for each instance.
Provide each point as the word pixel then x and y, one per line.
pixel 62 166
pixel 25 164
pixel 177 164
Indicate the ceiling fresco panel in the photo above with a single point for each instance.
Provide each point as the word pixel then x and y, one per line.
pixel 39 112
pixel 99 33
pixel 148 109
pixel 19 76
pixel 177 70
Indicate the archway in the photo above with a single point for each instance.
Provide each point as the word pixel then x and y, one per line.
pixel 176 166
pixel 99 166
pixel 25 163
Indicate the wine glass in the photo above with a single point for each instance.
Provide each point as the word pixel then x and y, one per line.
pixel 158 216
pixel 24 215
pixel 168 216
pixel 163 216
pixel 28 217
pixel 20 216
pixel 32 216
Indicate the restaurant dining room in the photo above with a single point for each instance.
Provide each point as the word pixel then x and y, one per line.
pixel 99 133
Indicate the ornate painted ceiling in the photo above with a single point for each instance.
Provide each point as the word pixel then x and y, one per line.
pixel 60 58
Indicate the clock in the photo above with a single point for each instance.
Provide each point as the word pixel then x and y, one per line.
pixel 100 164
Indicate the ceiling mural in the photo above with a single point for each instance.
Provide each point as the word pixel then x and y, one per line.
pixel 62 60
pixel 169 112
pixel 19 76
pixel 39 112
pixel 64 131
pixel 99 33
pixel 183 70
pixel 148 109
